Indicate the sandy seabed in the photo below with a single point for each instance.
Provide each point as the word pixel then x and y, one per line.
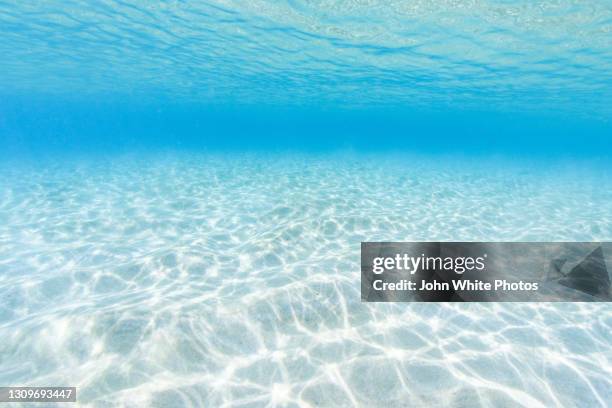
pixel 197 279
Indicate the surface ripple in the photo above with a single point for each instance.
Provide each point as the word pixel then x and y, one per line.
pixel 518 55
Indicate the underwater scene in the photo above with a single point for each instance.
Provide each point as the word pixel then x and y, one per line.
pixel 185 186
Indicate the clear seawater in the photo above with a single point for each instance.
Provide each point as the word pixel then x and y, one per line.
pixel 184 189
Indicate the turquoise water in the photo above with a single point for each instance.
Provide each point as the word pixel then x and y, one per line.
pixel 184 189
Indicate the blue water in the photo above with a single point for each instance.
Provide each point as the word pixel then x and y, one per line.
pixel 184 188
